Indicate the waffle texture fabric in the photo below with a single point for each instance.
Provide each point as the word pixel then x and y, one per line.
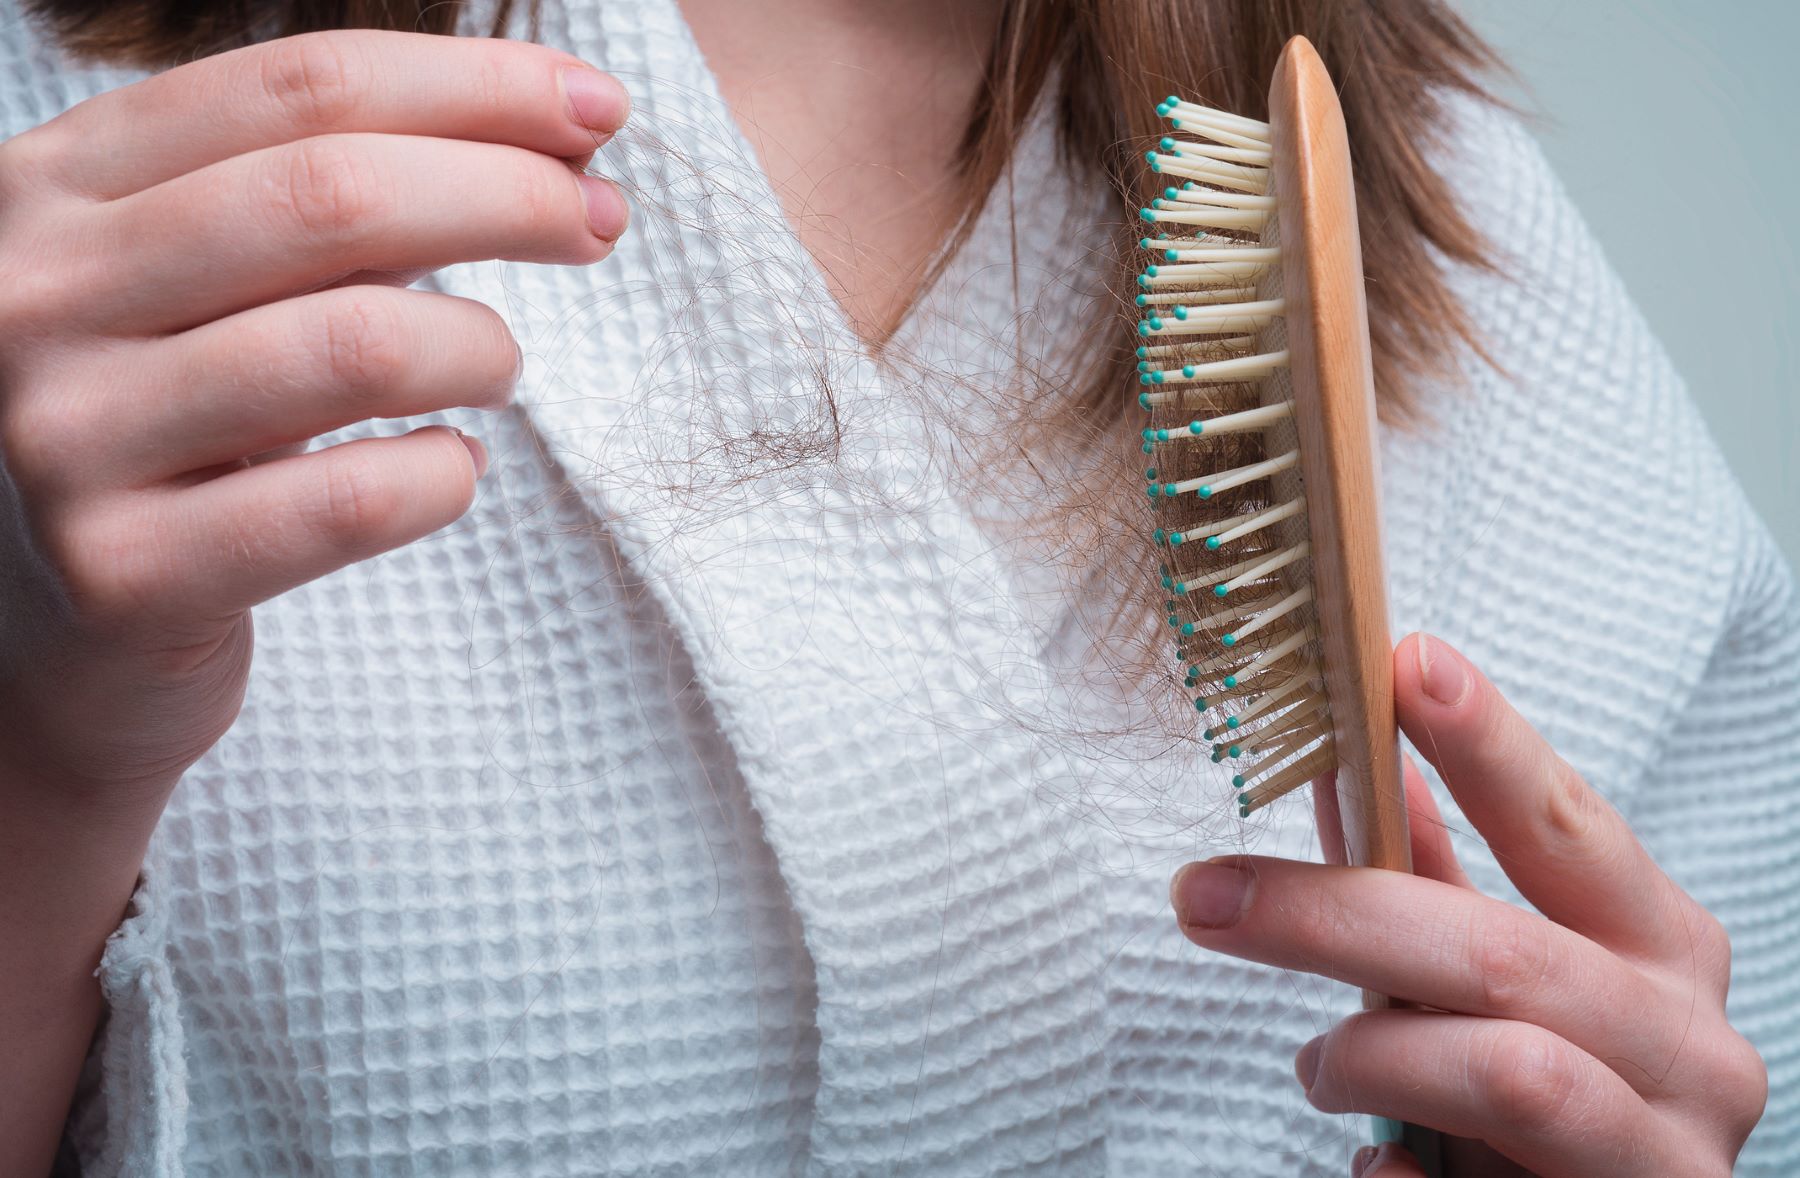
pixel 716 798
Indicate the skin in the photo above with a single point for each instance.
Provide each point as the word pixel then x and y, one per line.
pixel 1588 1041
pixel 250 221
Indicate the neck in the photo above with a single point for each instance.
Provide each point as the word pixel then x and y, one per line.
pixel 855 109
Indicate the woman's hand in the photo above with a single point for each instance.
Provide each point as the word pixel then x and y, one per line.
pixel 201 272
pixel 1588 1041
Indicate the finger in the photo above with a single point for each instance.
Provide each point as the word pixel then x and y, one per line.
pixel 487 89
pixel 273 223
pixel 1530 1095
pixel 1564 846
pixel 1424 942
pixel 209 551
pixel 281 373
pixel 1432 855
pixel 1387 1160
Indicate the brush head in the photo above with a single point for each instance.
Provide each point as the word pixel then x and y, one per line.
pixel 1253 372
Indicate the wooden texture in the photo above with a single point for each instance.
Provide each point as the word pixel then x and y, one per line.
pixel 1334 413
pixel 1364 818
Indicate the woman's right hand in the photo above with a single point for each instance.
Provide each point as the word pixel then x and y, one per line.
pixel 203 271
pixel 199 273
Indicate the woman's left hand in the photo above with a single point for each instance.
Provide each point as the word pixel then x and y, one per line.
pixel 1587 1041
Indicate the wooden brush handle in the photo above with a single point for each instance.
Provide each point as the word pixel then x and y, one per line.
pixel 1334 413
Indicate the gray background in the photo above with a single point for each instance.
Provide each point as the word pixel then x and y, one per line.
pixel 1674 125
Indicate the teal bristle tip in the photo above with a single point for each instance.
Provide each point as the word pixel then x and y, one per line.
pixel 1151 491
pixel 1180 311
pixel 1175 123
pixel 1187 627
pixel 1154 166
pixel 1150 271
pixel 1161 535
pixel 1156 202
pixel 1143 280
pixel 1149 448
pixel 1142 300
pixel 1231 722
pixel 1200 704
pixel 1208 734
pixel 1220 591
pixel 1156 378
pixel 1206 492
pixel 1156 323
pixel 1235 750
pixel 1212 543
pixel 1172 193
pixel 1162 435
pixel 1144 378
pixel 1146 215
pixel 1150 473
pixel 1143 329
pixel 1171 255
pixel 1149 434
pixel 1174 621
pixel 1143 400
pixel 1144 243
pixel 1175 538
pixel 1230 681
pixel 1194 427
pixel 1187 370
pixel 1143 353
pixel 1143 365
pixel 1169 490
pixel 1228 640
pixel 1237 781
pixel 1217 756
pixel 1167 144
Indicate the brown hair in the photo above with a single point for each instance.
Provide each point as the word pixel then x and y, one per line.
pixel 1114 59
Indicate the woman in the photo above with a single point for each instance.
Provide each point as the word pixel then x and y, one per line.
pixel 746 784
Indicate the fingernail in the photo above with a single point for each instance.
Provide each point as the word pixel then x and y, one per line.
pixel 1360 1161
pixel 1306 1064
pixel 477 451
pixel 1380 1156
pixel 606 211
pixel 595 100
pixel 1441 672
pixel 1210 895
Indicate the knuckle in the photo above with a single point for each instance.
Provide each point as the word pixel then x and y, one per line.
pixel 1712 944
pixel 1513 960
pixel 39 439
pixel 330 190
pixel 499 353
pixel 1745 1083
pixel 541 193
pixel 111 567
pixel 361 347
pixel 29 157
pixel 492 91
pixel 1533 1082
pixel 355 505
pixel 311 79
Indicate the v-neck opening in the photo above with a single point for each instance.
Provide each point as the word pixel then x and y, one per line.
pixel 839 319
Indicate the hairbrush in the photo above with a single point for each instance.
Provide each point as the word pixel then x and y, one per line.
pixel 1254 366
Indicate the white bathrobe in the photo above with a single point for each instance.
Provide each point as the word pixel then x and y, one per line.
pixel 712 802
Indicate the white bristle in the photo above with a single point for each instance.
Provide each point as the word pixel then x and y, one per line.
pixel 1213 341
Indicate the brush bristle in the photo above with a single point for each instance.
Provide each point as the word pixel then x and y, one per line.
pixel 1225 478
